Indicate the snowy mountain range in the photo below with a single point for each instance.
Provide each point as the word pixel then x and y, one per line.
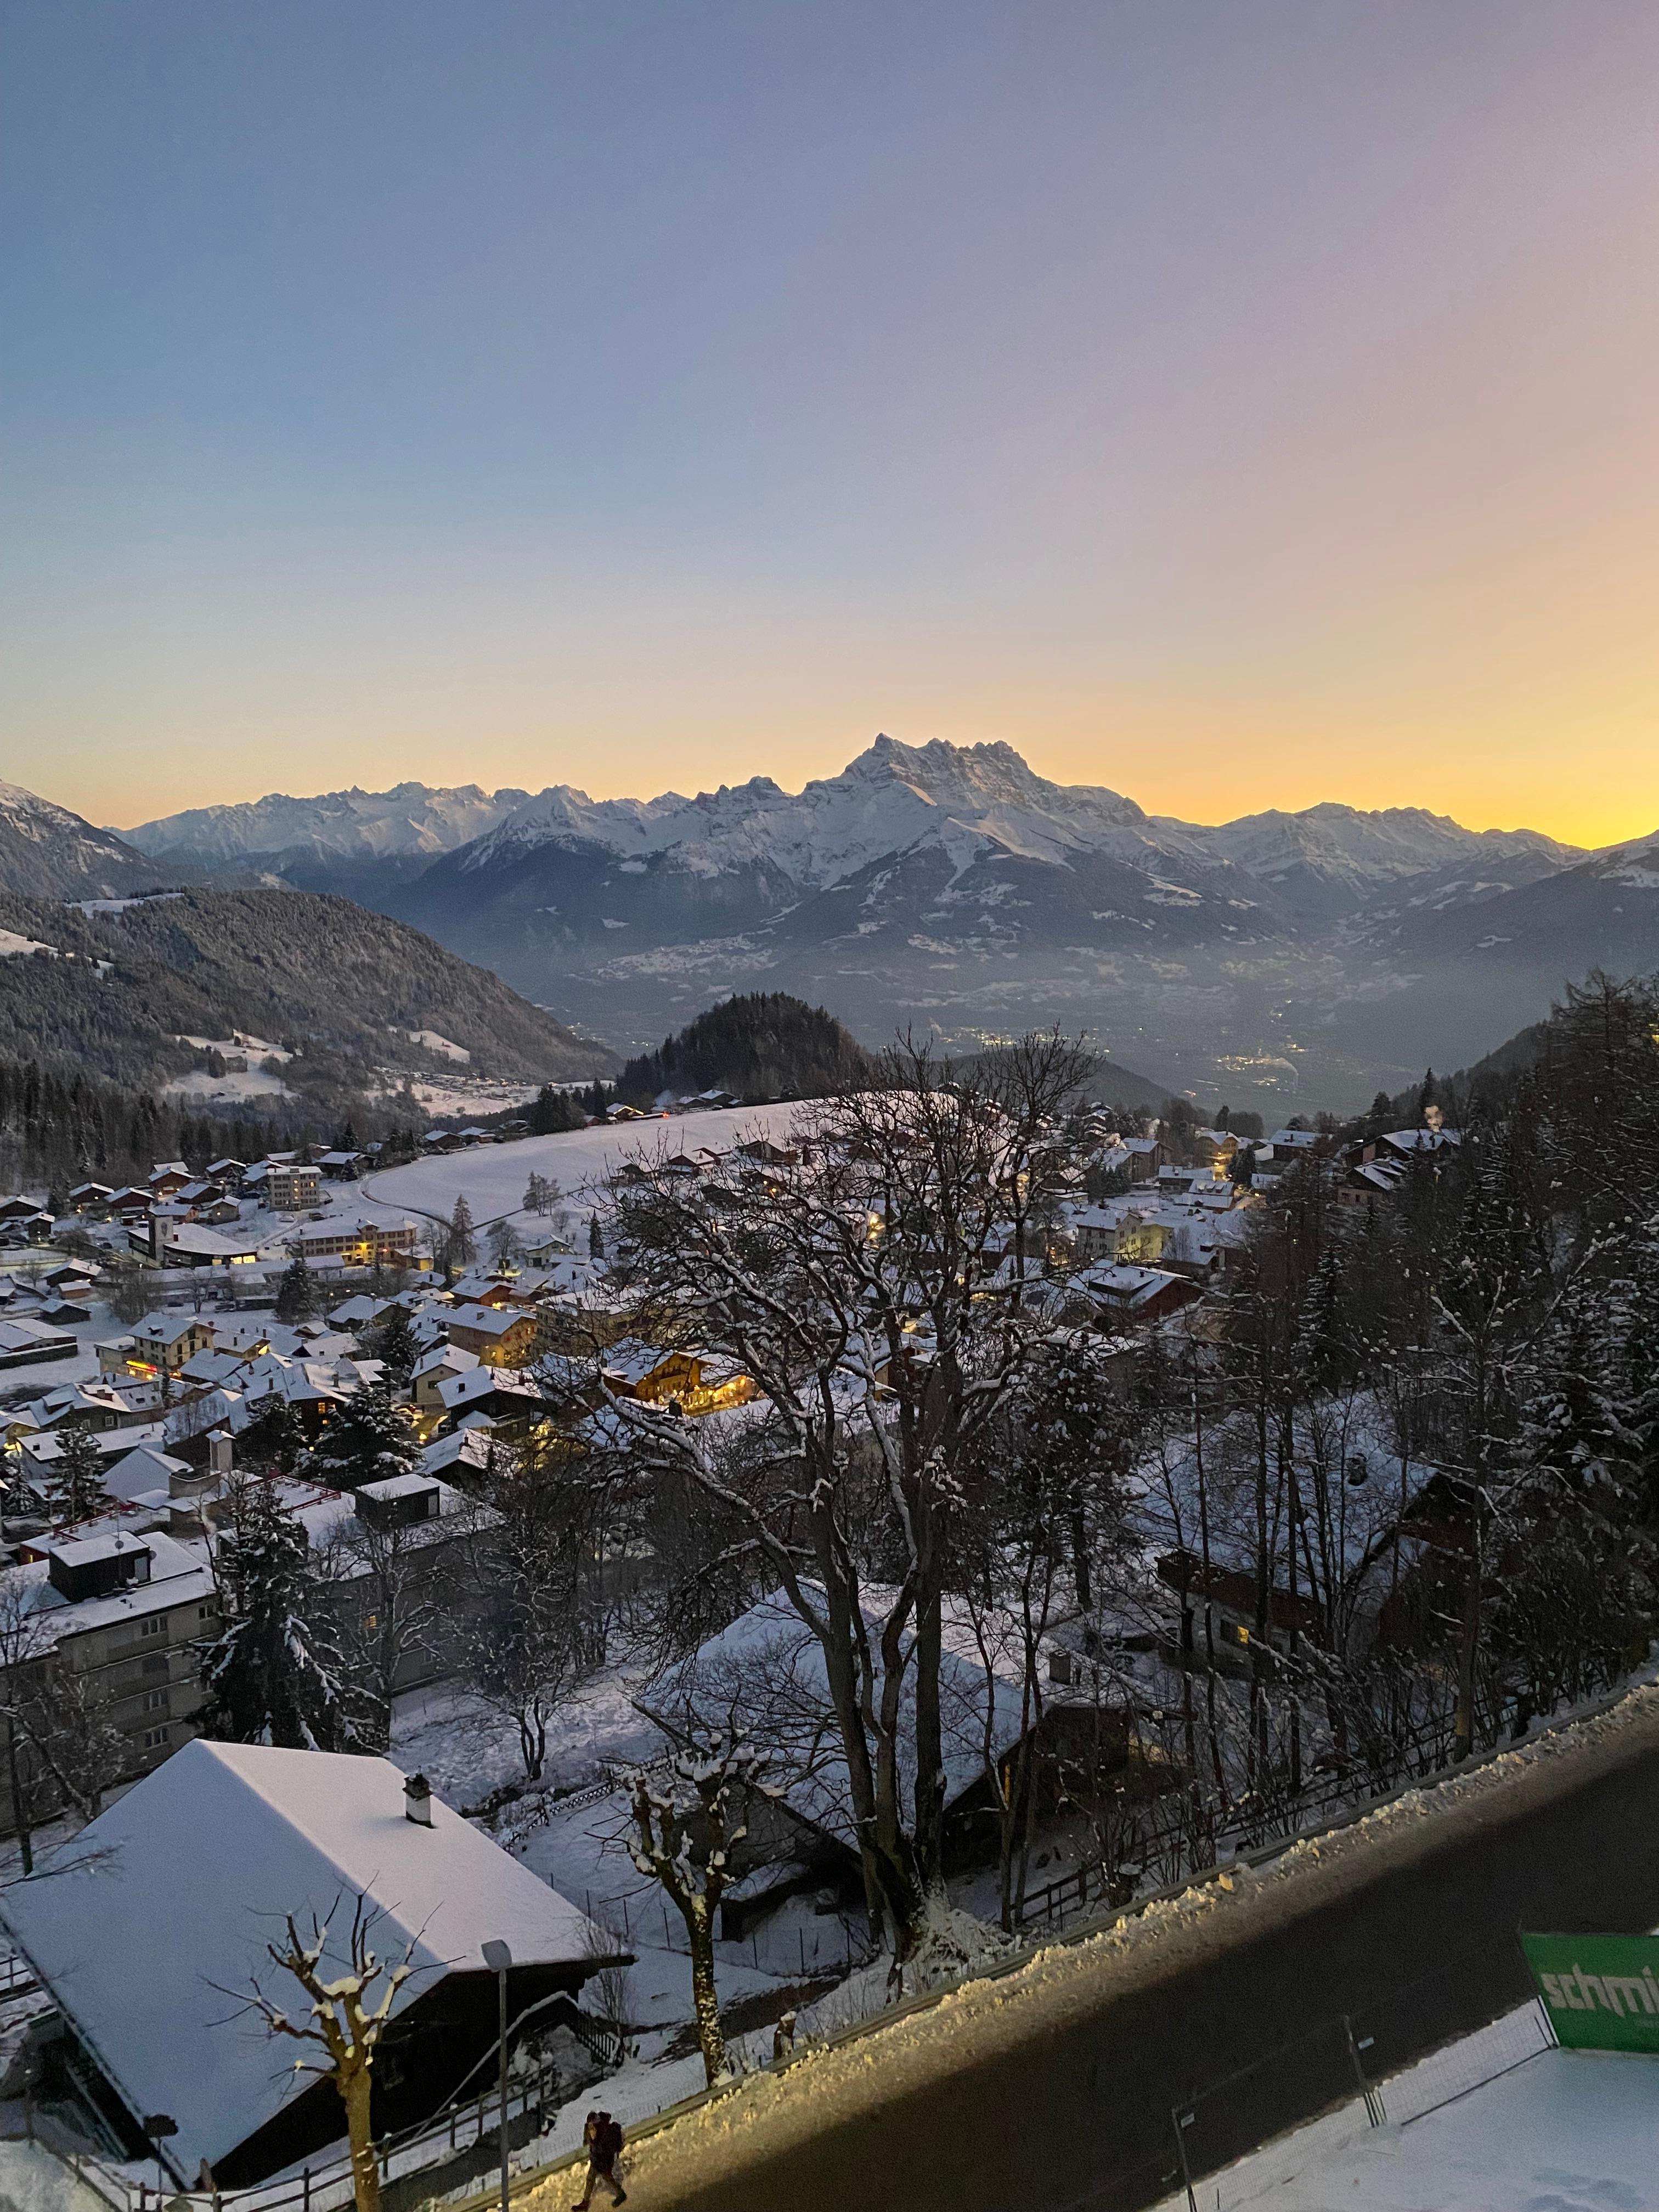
pixel 411 820
pixel 1325 952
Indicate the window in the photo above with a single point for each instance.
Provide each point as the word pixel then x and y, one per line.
pixel 155 1701
pixel 156 1737
pixel 204 1613
pixel 155 1624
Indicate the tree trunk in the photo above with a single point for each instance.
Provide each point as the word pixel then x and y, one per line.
pixel 365 2170
pixel 1469 1648
pixel 700 1934
pixel 25 1840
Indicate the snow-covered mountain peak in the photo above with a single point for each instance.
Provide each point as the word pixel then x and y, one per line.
pixel 886 800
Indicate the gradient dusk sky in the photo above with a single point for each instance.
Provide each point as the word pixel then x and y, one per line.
pixel 1240 405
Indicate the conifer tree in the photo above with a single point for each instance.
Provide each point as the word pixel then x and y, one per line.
pixel 463 1242
pixel 366 1440
pixel 74 1481
pixel 276 1437
pixel 297 1294
pixel 273 1674
pixel 395 1346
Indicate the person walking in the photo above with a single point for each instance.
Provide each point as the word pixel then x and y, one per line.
pixel 783 2039
pixel 602 2139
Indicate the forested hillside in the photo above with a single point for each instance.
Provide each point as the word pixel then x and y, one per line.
pixel 763 1045
pixel 58 1129
pixel 349 990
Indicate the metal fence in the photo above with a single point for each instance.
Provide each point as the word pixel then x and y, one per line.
pixel 1410 2053
pixel 328 2186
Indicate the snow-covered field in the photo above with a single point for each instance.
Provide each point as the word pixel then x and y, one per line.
pixel 1558 2131
pixel 493 1177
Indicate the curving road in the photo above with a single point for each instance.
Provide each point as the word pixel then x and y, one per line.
pixel 1066 2102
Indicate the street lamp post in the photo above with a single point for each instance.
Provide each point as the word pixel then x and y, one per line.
pixel 498 1957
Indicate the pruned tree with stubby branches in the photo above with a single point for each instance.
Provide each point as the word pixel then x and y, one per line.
pixel 345 2022
pixel 687 1821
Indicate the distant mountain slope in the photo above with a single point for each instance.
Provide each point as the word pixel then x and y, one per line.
pixel 413 819
pixel 1327 859
pixel 116 991
pixel 46 851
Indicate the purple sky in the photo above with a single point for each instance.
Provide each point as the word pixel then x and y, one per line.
pixel 1238 403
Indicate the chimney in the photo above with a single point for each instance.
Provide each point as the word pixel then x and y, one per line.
pixel 417 1801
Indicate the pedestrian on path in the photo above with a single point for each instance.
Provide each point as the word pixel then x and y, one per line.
pixel 602 2138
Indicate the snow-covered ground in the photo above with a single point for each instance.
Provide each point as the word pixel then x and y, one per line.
pixel 493 1176
pixel 578 1845
pixel 32 2179
pixel 1554 2131
pixel 227 1089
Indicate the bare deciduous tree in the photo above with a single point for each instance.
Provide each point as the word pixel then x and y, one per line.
pixel 345 2021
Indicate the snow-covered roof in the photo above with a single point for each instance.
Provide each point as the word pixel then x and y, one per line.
pixel 1421 1141
pixel 768 1670
pixel 148 1962
pixel 470 1450
pixel 167 1328
pixel 486 1320
pixel 456 1391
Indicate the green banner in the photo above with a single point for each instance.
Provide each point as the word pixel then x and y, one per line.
pixel 1601 1992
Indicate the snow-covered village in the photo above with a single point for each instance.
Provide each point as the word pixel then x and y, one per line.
pixel 769 1567
pixel 828 1107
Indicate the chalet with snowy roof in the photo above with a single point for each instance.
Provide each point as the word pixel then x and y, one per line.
pixel 164 1341
pixel 26 1340
pixel 501 1339
pixel 467 1456
pixel 501 1398
pixel 139 1941
pixel 1144 1158
pixel 1136 1297
pixel 90 1197
pixel 130 1205
pixel 1407 1145
pixel 765 1674
pixel 25 1228
pixel 434 1368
